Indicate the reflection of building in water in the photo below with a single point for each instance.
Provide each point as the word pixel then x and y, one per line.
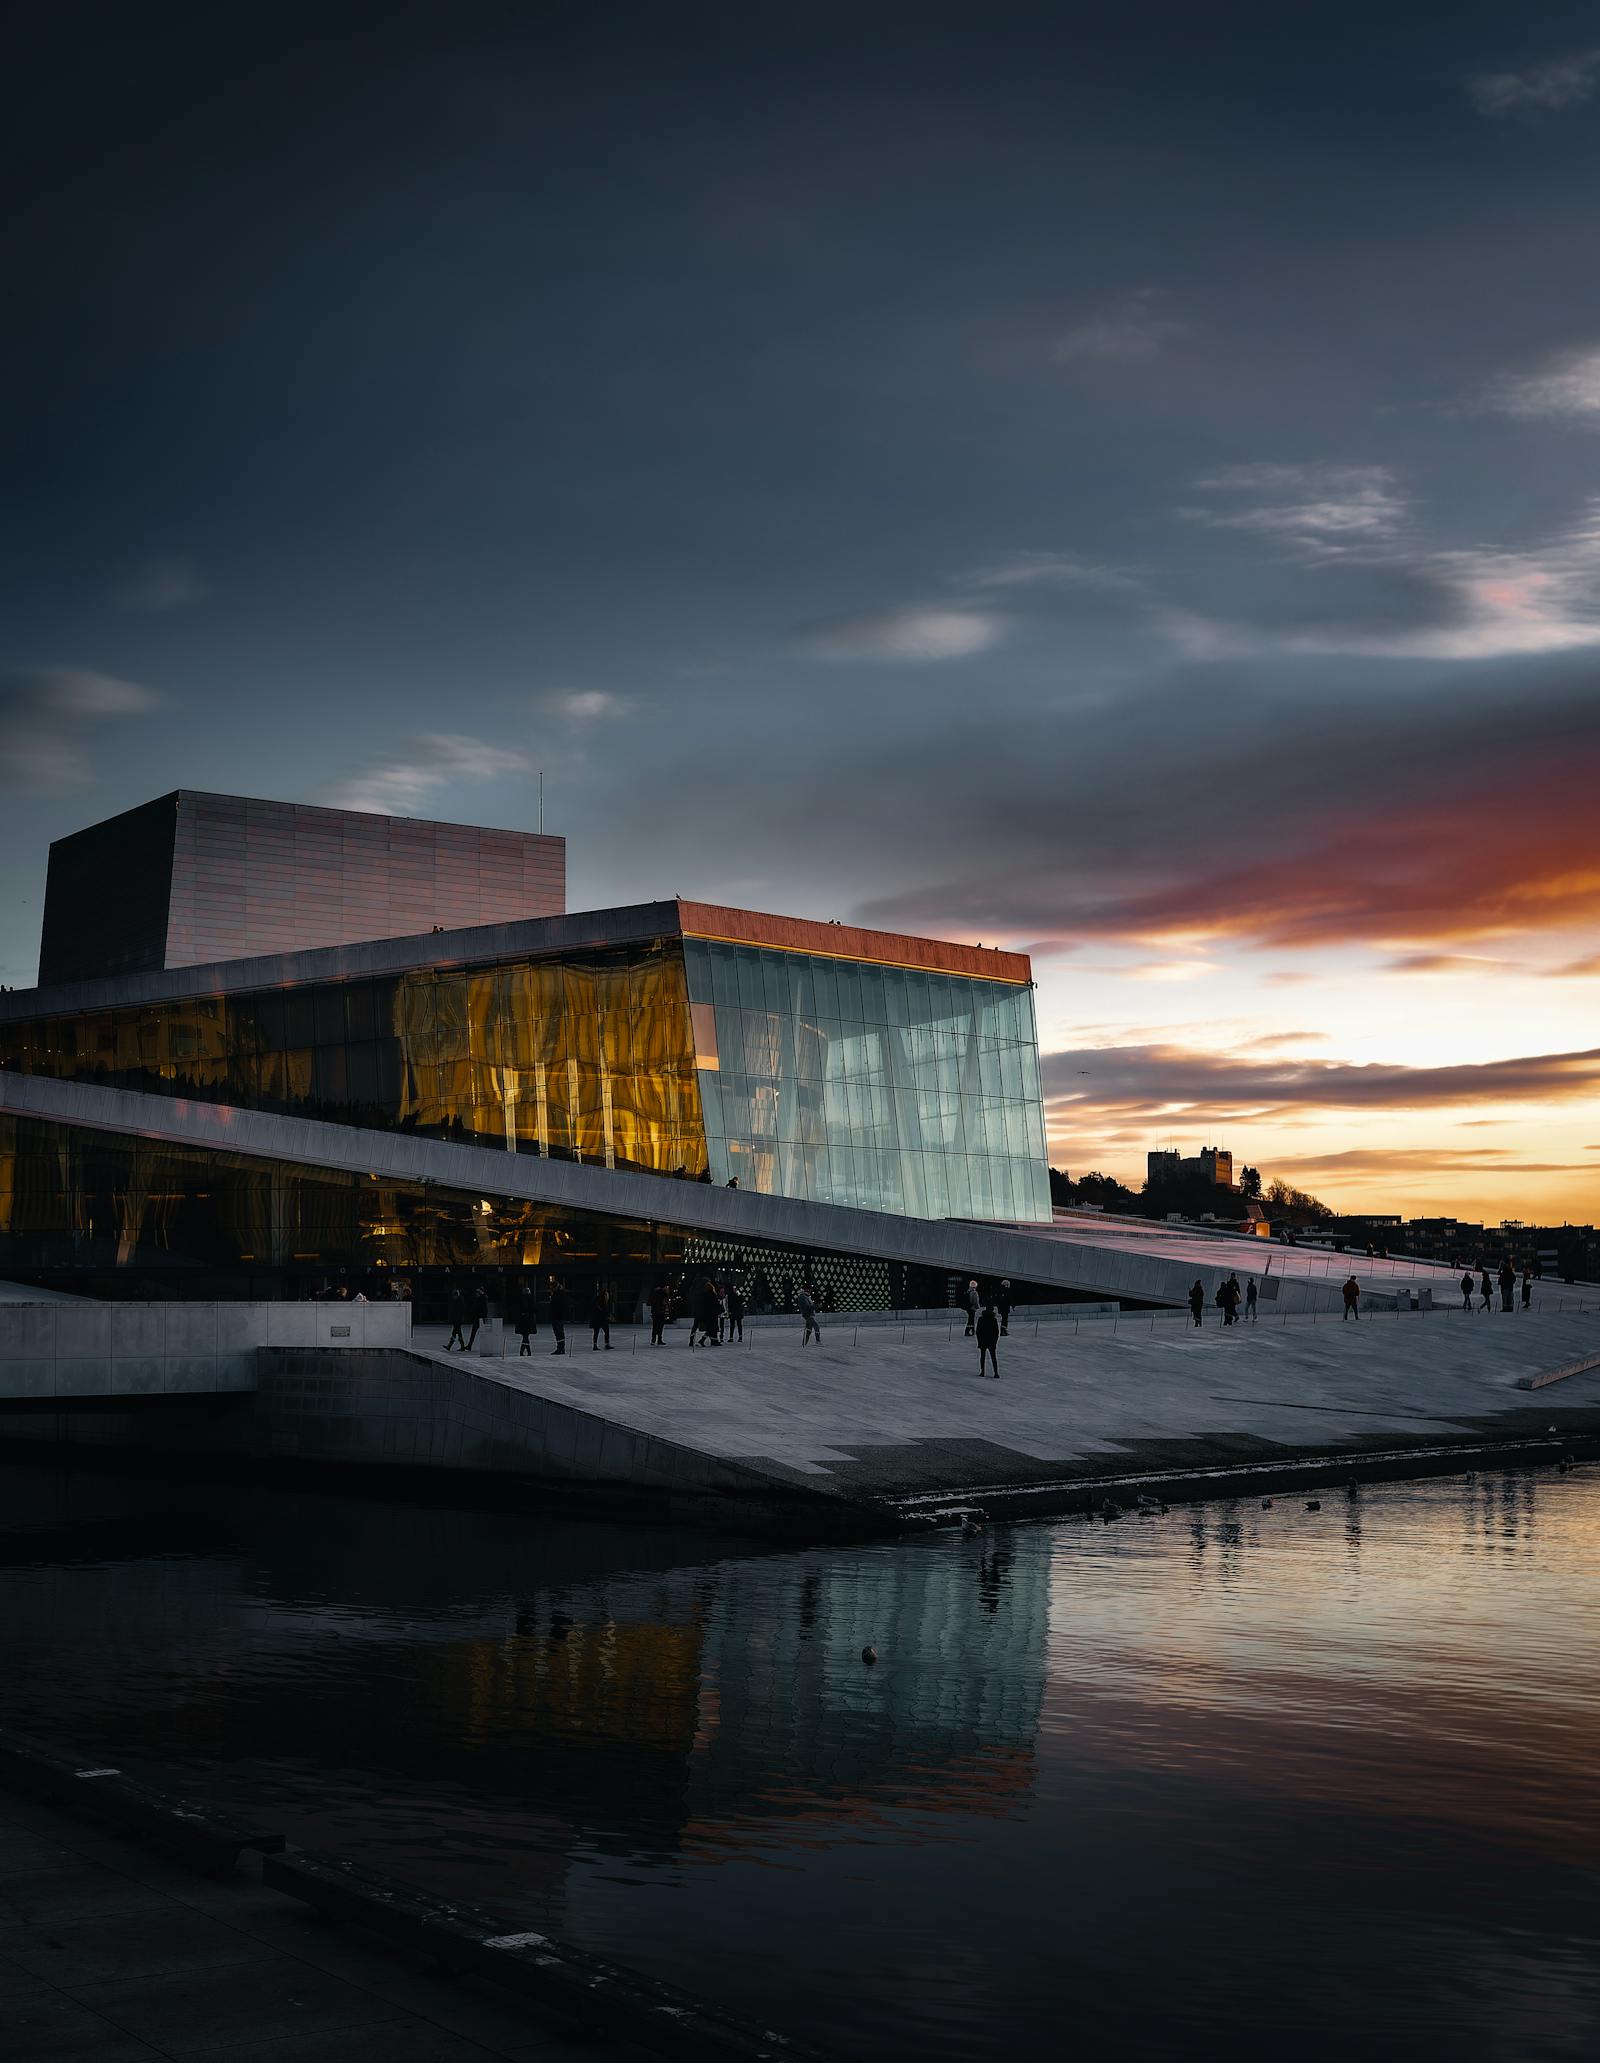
pixel 477 1701
pixel 792 1720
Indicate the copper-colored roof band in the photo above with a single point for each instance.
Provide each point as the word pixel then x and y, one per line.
pixel 723 926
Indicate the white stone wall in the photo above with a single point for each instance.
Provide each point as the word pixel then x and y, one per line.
pixel 82 1349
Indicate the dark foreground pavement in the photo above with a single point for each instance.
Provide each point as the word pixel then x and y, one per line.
pixel 110 1954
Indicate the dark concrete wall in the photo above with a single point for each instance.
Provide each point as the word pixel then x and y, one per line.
pixel 389 1407
pixel 107 896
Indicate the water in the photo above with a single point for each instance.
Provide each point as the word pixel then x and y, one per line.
pixel 1258 1782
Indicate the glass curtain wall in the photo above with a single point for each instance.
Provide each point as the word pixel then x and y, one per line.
pixel 587 1058
pixel 887 1088
pixel 118 1215
pixel 89 1202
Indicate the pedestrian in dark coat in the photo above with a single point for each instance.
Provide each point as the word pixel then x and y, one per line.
pixel 658 1315
pixel 1352 1299
pixel 527 1317
pixel 805 1304
pixel 735 1312
pixel 480 1311
pixel 1002 1306
pixel 1251 1293
pixel 1508 1282
pixel 1466 1291
pixel 1485 1290
pixel 1197 1301
pixel 600 1317
pixel 558 1308
pixel 1527 1287
pixel 456 1304
pixel 987 1331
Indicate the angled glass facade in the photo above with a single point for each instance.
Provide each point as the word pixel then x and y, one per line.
pixel 854 1082
pixel 826 1078
pixel 123 1215
pixel 584 1057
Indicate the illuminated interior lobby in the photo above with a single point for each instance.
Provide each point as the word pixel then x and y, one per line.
pixel 530 1092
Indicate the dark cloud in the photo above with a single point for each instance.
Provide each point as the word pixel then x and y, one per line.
pixel 1445 963
pixel 165 585
pixel 49 716
pixel 509 366
pixel 1379 1161
pixel 1202 810
pixel 1157 1080
pixel 1545 88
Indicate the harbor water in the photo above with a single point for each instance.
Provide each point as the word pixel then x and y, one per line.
pixel 1225 1780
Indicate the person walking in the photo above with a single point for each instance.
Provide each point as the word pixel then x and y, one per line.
pixel 480 1311
pixel 1197 1301
pixel 527 1318
pixel 1352 1298
pixel 1251 1293
pixel 1527 1287
pixel 557 1310
pixel 658 1315
pixel 1466 1291
pixel 972 1308
pixel 723 1330
pixel 987 1332
pixel 1486 1289
pixel 710 1314
pixel 600 1317
pixel 1235 1298
pixel 1002 1306
pixel 806 1305
pixel 1508 1282
pixel 456 1307
pixel 735 1313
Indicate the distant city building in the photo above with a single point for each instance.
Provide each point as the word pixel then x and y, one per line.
pixel 1571 1252
pixel 191 879
pixel 1164 1170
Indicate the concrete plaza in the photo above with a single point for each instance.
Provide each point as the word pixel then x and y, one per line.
pixel 881 1410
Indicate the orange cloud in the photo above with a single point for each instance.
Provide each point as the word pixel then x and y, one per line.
pixel 1492 860
pixel 1156 1081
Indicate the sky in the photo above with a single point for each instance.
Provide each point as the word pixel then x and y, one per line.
pixel 1119 481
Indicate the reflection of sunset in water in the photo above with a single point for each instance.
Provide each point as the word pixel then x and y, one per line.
pixel 1218 1778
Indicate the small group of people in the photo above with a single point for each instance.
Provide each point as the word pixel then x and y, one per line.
pixel 1228 1298
pixel 999 1302
pixel 523 1314
pixel 1484 1286
pixel 465 1307
pixel 716 1313
pixel 988 1322
pixel 387 1289
pixel 558 1309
